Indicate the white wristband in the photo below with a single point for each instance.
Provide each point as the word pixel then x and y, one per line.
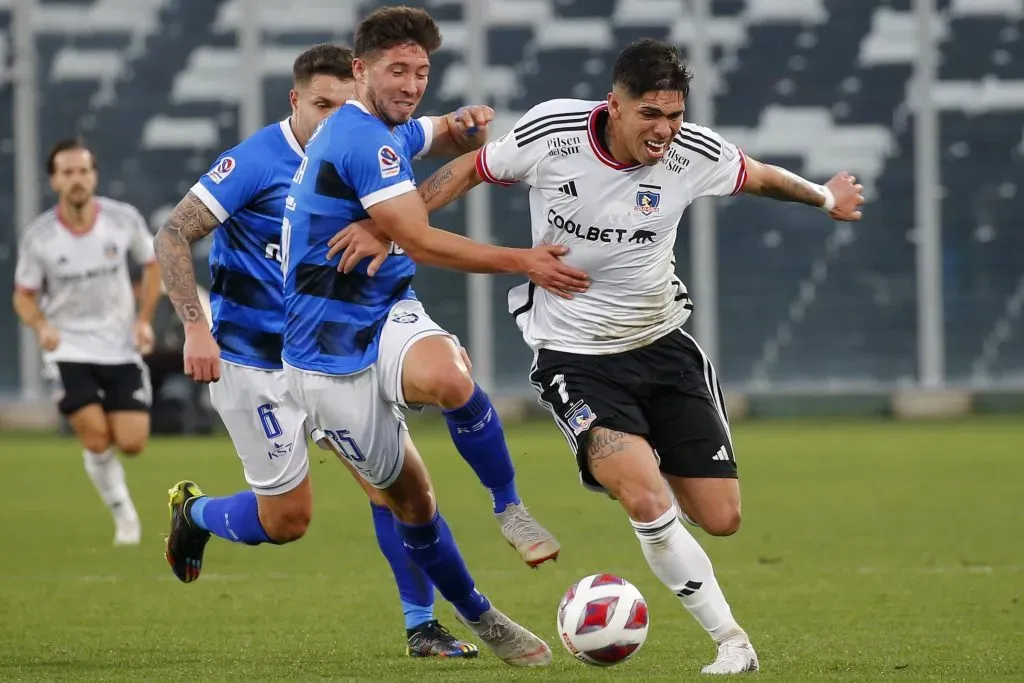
pixel 830 200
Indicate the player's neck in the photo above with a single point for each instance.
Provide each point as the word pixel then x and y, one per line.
pixel 78 219
pixel 611 140
pixel 296 134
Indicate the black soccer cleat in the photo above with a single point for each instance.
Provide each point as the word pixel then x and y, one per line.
pixel 185 543
pixel 431 639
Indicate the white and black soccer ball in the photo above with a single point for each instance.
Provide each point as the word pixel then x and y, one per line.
pixel 602 620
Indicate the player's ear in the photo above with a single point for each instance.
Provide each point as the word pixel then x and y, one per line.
pixel 359 69
pixel 614 105
pixel 293 99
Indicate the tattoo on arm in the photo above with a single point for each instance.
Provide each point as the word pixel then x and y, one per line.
pixel 190 221
pixel 443 187
pixel 604 443
pixel 786 186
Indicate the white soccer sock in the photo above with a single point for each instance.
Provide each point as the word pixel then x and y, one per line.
pixel 107 475
pixel 678 560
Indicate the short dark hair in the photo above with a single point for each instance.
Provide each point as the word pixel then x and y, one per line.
pixel 63 146
pixel 647 65
pixel 389 27
pixel 323 58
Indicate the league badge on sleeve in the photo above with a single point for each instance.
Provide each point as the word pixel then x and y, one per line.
pixel 222 170
pixel 390 163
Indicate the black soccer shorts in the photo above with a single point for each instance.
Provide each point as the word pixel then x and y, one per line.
pixel 667 392
pixel 114 387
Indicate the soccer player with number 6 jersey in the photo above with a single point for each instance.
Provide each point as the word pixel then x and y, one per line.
pixel 245 194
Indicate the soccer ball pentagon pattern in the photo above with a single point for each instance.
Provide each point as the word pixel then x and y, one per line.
pixel 602 620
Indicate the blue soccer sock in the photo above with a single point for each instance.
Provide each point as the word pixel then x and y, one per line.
pixel 414 586
pixel 477 434
pixel 432 547
pixel 235 518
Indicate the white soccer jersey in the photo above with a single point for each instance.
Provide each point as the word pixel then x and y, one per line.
pixel 84 280
pixel 618 221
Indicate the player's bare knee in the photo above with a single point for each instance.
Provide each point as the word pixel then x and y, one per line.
pixel 643 504
pixel 723 520
pixel 288 525
pixel 414 508
pixel 131 445
pixel 376 497
pixel 450 386
pixel 95 441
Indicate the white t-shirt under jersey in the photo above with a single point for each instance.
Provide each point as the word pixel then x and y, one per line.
pixel 84 280
pixel 618 221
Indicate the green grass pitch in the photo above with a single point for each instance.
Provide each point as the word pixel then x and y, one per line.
pixel 870 551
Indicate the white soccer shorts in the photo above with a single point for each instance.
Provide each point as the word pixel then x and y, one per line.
pixel 361 414
pixel 267 427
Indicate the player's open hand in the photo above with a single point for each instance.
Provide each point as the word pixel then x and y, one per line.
pixel 202 355
pixel 356 242
pixel 849 197
pixel 473 118
pixel 49 337
pixel 545 268
pixel 143 337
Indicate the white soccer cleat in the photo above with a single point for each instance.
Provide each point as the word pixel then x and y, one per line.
pixel 128 531
pixel 509 641
pixel 735 656
pixel 535 544
pixel 127 527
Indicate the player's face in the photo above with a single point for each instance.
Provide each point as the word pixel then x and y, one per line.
pixel 395 81
pixel 648 123
pixel 74 176
pixel 314 101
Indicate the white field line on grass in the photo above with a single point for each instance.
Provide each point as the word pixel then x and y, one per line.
pixel 282 576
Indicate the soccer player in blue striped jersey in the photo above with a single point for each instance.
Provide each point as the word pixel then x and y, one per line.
pixel 358 349
pixel 244 194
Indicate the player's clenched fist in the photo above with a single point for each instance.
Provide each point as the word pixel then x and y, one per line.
pixel 473 118
pixel 848 195
pixel 49 337
pixel 544 267
pixel 202 355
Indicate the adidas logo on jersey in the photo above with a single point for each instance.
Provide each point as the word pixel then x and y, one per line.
pixel 569 188
pixel 722 454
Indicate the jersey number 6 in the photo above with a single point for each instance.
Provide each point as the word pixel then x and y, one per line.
pixel 271 427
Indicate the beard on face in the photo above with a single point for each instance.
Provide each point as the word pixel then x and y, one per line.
pixel 381 106
pixel 77 196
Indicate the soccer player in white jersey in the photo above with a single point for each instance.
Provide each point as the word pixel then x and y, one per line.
pixel 634 395
pixel 72 286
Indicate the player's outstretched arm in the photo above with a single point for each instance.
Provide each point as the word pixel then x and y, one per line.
pixel 450 182
pixel 840 197
pixel 190 221
pixel 403 219
pixel 357 241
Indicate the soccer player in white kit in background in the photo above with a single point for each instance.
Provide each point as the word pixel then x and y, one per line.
pixel 633 394
pixel 73 288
